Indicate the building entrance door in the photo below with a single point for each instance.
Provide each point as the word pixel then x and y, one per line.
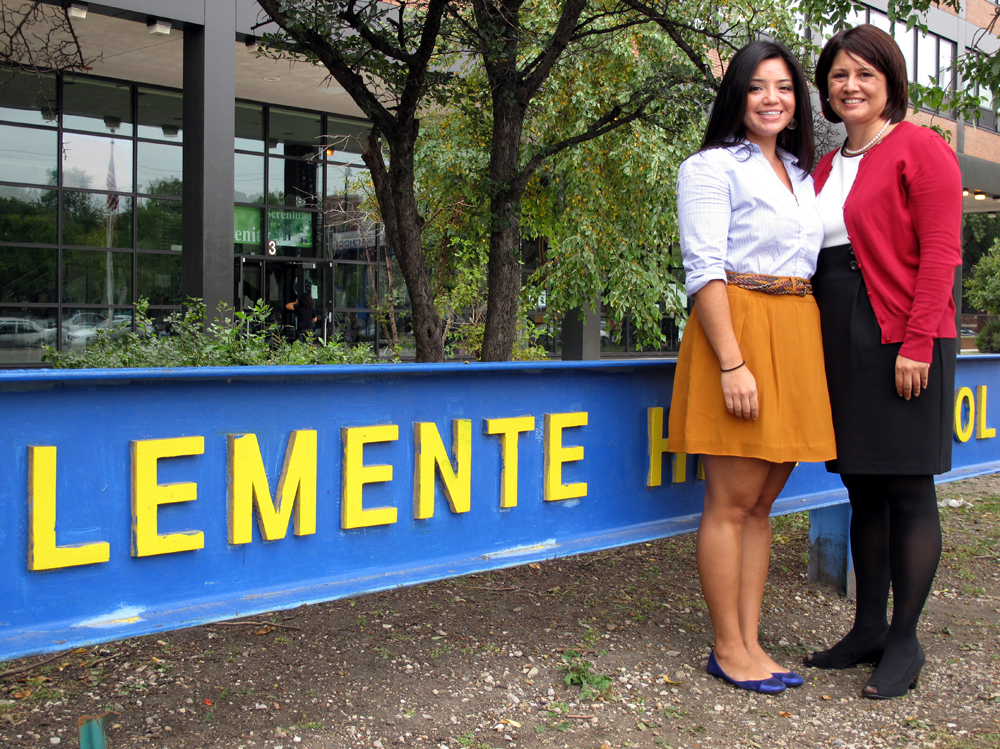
pixel 277 282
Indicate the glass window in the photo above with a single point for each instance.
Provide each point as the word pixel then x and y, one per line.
pixel 97 106
pixel 352 286
pixel 158 278
pixel 294 183
pixel 27 98
pixel 93 220
pixel 390 275
pixel 249 186
pixel 28 274
pixel 28 155
pixel 946 56
pixel 97 277
pixel 97 163
pixel 905 40
pixel 856 17
pixel 28 215
pixel 345 136
pixel 927 59
pixel 881 20
pixel 355 327
pixel 249 127
pixel 23 332
pixel 160 168
pixel 294 133
pixel 161 115
pixel 248 239
pixel 80 326
pixel 158 224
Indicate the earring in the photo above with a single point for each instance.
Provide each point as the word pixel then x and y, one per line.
pixel 792 124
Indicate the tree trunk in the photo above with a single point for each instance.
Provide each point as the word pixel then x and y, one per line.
pixel 403 229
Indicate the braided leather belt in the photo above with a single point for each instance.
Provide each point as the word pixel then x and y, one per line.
pixel 770 284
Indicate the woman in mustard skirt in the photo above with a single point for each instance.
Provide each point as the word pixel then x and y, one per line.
pixel 750 391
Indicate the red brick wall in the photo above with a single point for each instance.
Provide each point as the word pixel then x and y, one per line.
pixel 980 12
pixel 926 118
pixel 982 144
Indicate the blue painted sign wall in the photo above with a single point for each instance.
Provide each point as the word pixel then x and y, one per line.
pixel 138 500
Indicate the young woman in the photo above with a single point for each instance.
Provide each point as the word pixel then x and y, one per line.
pixel 750 390
pixel 891 203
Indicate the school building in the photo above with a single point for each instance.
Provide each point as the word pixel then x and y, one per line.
pixel 184 164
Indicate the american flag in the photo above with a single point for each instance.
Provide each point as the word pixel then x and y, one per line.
pixel 111 183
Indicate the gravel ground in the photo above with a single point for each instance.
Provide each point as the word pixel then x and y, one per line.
pixel 599 651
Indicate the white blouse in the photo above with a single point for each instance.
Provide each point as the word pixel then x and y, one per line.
pixel 833 196
pixel 736 215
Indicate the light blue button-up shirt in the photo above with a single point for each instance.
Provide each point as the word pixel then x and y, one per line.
pixel 736 214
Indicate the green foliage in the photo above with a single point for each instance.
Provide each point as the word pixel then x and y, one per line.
pixel 232 339
pixel 988 339
pixel 983 286
pixel 580 672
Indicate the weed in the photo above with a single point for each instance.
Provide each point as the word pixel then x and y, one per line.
pixel 384 652
pixel 224 694
pixel 281 640
pixel 434 652
pixel 310 725
pixel 352 602
pixel 362 621
pixel 209 716
pixel 408 712
pixel 580 672
pixel 672 713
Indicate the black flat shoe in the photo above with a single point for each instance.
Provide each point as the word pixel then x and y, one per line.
pixel 878 688
pixel 844 655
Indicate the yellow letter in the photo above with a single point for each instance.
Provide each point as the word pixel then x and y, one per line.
pixel 148 495
pixel 430 453
pixel 656 445
pixel 556 455
pixel 509 429
pixel 357 474
pixel 679 464
pixel 983 432
pixel 43 554
pixel 248 488
pixel 964 431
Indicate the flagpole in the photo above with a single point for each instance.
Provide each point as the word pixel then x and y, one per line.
pixel 112 206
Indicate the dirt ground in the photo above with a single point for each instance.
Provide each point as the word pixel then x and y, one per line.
pixel 603 650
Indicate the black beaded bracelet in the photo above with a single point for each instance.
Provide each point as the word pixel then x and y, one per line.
pixel 733 369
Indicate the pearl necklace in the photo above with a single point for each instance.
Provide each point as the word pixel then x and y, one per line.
pixel 869 144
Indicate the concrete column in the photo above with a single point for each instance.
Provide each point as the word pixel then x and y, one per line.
pixel 830 547
pixel 209 131
pixel 581 338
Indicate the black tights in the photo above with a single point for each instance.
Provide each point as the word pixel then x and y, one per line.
pixel 895 539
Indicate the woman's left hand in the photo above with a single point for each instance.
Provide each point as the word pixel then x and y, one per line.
pixel 911 377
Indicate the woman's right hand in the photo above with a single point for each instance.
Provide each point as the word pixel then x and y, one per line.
pixel 739 388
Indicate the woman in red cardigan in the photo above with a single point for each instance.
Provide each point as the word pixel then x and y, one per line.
pixel 891 204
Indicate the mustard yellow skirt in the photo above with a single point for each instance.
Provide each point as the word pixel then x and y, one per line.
pixel 780 338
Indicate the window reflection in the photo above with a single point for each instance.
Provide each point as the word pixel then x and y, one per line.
pixel 159 224
pixel 28 98
pixel 294 183
pixel 249 175
pixel 291 231
pixel 249 127
pixel 355 327
pixel 158 278
pixel 161 115
pixel 97 106
pixel 352 285
pixel 28 215
pixel 95 220
pixel 81 326
pixel 248 239
pixel 97 277
pixel 23 332
pixel 29 155
pixel 160 168
pixel 28 275
pixel 294 133
pixel 97 163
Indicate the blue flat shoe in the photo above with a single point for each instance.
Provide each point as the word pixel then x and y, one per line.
pixel 764 686
pixel 789 679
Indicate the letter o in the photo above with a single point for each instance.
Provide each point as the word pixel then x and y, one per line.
pixel 963 429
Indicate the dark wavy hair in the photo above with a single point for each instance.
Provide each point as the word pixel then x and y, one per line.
pixel 876 48
pixel 725 124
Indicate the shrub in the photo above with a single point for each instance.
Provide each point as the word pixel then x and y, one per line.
pixel 232 339
pixel 984 285
pixel 988 339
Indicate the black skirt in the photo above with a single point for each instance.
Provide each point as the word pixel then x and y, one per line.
pixel 877 431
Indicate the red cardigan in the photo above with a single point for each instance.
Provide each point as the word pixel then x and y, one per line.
pixel 904 221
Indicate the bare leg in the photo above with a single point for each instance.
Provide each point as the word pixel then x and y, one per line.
pixel 733 551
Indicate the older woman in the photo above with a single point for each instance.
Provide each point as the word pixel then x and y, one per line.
pixel 891 204
pixel 750 392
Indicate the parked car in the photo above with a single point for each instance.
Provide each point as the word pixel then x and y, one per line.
pixel 81 337
pixel 18 332
pixel 81 321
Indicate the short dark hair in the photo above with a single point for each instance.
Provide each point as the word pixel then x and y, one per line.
pixel 877 48
pixel 725 124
